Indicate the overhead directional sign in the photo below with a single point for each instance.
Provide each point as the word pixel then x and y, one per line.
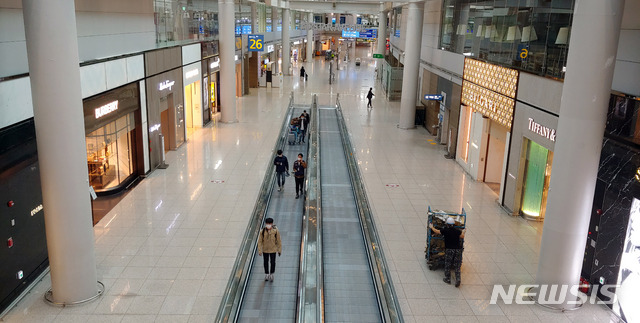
pixel 256 42
pixel 350 34
pixel 433 97
pixel 369 33
pixel 378 56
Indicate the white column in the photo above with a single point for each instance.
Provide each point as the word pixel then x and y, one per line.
pixel 310 40
pixel 382 31
pixel 52 51
pixel 286 41
pixel 227 60
pixel 583 113
pixel 274 19
pixel 254 18
pixel 411 65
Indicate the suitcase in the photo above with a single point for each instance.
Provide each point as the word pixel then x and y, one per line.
pixel 291 138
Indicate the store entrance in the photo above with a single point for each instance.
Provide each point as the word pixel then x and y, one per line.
pixel 537 173
pixel 192 106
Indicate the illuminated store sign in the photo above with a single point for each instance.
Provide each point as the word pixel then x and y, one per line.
pixel 215 64
pixel 491 104
pixel 154 128
pixel 166 85
pixel 542 130
pixel 270 48
pixel 36 210
pixel 490 89
pixel 192 73
pixel 106 109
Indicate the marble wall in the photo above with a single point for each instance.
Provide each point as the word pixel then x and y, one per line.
pixel 618 184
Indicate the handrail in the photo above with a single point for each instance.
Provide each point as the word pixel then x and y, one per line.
pixel 310 307
pixel 387 298
pixel 234 292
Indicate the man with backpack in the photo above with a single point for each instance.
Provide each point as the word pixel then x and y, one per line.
pixel 298 172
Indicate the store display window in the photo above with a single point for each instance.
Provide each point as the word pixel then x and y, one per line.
pixel 536 181
pixel 110 153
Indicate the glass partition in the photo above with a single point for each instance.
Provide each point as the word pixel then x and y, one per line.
pixel 183 20
pixel 532 36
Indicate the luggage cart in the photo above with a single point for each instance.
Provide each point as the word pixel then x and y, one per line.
pixel 434 251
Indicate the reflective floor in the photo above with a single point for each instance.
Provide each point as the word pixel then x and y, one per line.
pixel 166 250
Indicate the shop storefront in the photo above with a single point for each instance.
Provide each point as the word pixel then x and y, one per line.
pixel 211 88
pixel 441 117
pixel 166 114
pixel 113 138
pixel 486 116
pixel 210 80
pixel 530 161
pixel 192 96
pixel 612 253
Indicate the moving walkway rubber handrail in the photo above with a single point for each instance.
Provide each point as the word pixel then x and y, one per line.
pixel 385 293
pixel 310 306
pixel 236 287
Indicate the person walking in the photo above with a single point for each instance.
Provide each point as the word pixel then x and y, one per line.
pixel 306 118
pixel 282 166
pixel 370 96
pixel 302 72
pixel 302 128
pixel 269 243
pixel 453 249
pixel 298 172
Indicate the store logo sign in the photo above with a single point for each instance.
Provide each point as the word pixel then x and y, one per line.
pixel 154 128
pixel 166 85
pixel 270 48
pixel 36 210
pixel 542 130
pixel 106 109
pixel 191 73
pixel 215 64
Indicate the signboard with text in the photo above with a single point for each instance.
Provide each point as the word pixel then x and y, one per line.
pixel 256 43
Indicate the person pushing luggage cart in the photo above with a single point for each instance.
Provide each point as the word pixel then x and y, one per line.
pixel 445 241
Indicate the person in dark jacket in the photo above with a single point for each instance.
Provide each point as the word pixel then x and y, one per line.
pixel 370 96
pixel 282 166
pixel 453 249
pixel 302 72
pixel 306 118
pixel 302 129
pixel 298 172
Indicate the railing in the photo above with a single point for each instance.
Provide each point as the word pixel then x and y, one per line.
pixel 387 299
pixel 310 281
pixel 231 301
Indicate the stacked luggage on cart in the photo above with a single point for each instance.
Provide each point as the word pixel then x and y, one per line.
pixel 434 252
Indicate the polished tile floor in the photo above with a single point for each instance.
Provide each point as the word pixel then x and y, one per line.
pixel 166 250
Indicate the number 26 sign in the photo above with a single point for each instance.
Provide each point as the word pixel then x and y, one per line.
pixel 256 43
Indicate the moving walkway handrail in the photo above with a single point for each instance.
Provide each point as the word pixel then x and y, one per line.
pixel 310 306
pixel 232 299
pixel 387 298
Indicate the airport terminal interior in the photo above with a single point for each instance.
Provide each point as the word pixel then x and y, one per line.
pixel 180 138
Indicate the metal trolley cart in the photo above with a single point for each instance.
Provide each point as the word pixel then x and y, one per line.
pixel 434 252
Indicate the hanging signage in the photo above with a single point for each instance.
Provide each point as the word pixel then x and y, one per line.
pixel 215 64
pixel 106 109
pixel 490 90
pixel 166 85
pixel 433 97
pixel 256 43
pixel 542 130
pixel 350 34
pixel 330 27
pixel 369 33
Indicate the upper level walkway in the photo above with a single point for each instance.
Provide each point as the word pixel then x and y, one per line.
pixel 165 252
